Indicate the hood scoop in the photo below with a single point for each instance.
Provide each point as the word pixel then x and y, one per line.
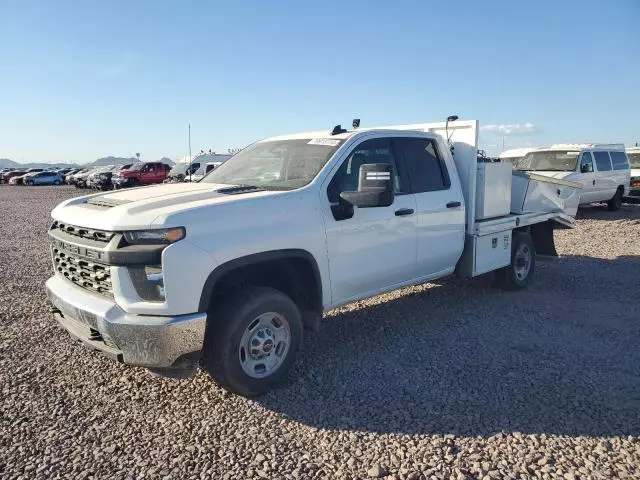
pixel 106 202
pixel 237 189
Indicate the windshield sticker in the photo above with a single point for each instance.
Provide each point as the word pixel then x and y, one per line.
pixel 327 142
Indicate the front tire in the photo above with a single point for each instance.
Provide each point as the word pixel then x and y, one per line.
pixel 252 341
pixel 616 202
pixel 518 275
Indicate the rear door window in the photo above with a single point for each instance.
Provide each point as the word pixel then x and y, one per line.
pixel 425 166
pixel 603 162
pixel 619 160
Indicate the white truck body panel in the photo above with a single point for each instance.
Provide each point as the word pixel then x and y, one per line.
pixel 493 192
pixel 538 193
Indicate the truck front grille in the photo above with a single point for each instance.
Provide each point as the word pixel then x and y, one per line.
pixel 89 233
pixel 84 273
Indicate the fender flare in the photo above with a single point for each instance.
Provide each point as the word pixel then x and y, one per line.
pixel 223 269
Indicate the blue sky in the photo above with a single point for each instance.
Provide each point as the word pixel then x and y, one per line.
pixel 86 79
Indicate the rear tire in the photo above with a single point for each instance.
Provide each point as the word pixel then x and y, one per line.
pixel 518 275
pixel 616 202
pixel 252 340
pixel 57 182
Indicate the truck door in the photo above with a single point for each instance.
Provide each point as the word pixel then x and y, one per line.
pixel 440 212
pixel 605 184
pixel 375 248
pixel 587 178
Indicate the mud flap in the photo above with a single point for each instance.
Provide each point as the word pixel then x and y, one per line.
pixel 542 235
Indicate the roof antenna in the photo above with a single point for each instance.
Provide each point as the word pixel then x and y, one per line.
pixel 450 118
pixel 356 123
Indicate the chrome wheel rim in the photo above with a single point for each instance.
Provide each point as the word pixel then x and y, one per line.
pixel 522 261
pixel 264 345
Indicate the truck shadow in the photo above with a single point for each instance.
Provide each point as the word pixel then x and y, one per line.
pixel 463 358
pixel 628 211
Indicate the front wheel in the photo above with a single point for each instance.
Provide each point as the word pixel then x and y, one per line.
pixel 252 341
pixel 616 202
pixel 30 183
pixel 523 262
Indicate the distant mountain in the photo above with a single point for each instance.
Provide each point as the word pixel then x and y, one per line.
pixel 6 163
pixel 122 160
pixel 100 162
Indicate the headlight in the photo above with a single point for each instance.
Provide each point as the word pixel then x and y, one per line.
pixel 164 236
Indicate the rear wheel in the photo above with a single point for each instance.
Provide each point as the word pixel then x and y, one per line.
pixel 523 262
pixel 252 341
pixel 616 202
pixel 56 182
pixel 30 182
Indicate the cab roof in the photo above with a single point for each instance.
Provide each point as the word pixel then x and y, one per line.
pixel 586 146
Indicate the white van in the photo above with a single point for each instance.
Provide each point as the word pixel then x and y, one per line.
pixel 633 154
pixel 601 169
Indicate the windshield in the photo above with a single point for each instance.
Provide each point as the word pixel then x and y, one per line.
pixel 136 166
pixel 634 160
pixel 277 165
pixel 551 161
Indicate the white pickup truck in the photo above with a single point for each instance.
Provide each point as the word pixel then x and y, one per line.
pixel 226 272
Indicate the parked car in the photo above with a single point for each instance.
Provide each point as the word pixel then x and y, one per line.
pixel 7 176
pixel 601 169
pixel 43 178
pixel 71 179
pixel 65 176
pixel 80 179
pixel 180 171
pixel 19 179
pixel 101 178
pixel 202 171
pixel 633 154
pixel 227 271
pixel 143 173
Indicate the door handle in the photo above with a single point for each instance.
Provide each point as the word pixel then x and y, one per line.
pixel 594 182
pixel 453 204
pixel 404 211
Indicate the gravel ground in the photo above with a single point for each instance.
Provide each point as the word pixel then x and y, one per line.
pixel 447 380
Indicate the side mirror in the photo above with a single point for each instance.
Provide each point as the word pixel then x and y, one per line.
pixel 586 168
pixel 375 187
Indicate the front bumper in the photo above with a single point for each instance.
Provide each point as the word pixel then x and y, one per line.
pixel 121 181
pixel 142 340
pixel 634 193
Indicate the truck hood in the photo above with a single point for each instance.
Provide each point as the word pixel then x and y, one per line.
pixel 139 208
